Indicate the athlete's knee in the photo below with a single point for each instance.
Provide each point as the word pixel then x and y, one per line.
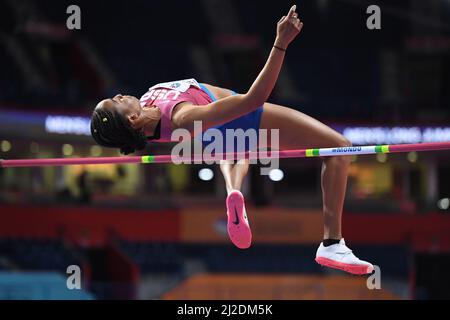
pixel 342 160
pixel 343 142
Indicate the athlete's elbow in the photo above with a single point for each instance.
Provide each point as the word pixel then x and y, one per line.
pixel 253 100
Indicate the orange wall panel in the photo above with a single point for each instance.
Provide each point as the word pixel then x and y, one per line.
pixel 269 225
pixel 275 287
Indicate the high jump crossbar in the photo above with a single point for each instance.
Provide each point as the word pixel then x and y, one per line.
pixel 253 155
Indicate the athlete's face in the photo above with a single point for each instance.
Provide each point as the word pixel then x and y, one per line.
pixel 126 105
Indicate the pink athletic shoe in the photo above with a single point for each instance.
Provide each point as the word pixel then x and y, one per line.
pixel 238 227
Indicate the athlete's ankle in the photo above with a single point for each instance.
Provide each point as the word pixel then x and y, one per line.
pixel 330 242
pixel 233 190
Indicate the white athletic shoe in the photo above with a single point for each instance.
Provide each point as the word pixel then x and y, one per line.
pixel 339 256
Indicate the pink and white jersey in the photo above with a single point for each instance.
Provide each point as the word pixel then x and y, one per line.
pixel 167 95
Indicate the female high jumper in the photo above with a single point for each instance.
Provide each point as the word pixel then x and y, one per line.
pixel 128 123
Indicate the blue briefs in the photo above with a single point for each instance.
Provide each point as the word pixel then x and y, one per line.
pixel 248 121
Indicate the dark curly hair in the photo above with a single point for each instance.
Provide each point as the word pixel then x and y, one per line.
pixel 112 129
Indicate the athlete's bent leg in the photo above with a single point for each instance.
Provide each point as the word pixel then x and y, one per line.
pixel 298 130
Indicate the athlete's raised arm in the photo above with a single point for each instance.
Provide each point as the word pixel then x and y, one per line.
pixel 232 107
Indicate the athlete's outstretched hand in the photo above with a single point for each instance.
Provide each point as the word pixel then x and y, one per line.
pixel 288 28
